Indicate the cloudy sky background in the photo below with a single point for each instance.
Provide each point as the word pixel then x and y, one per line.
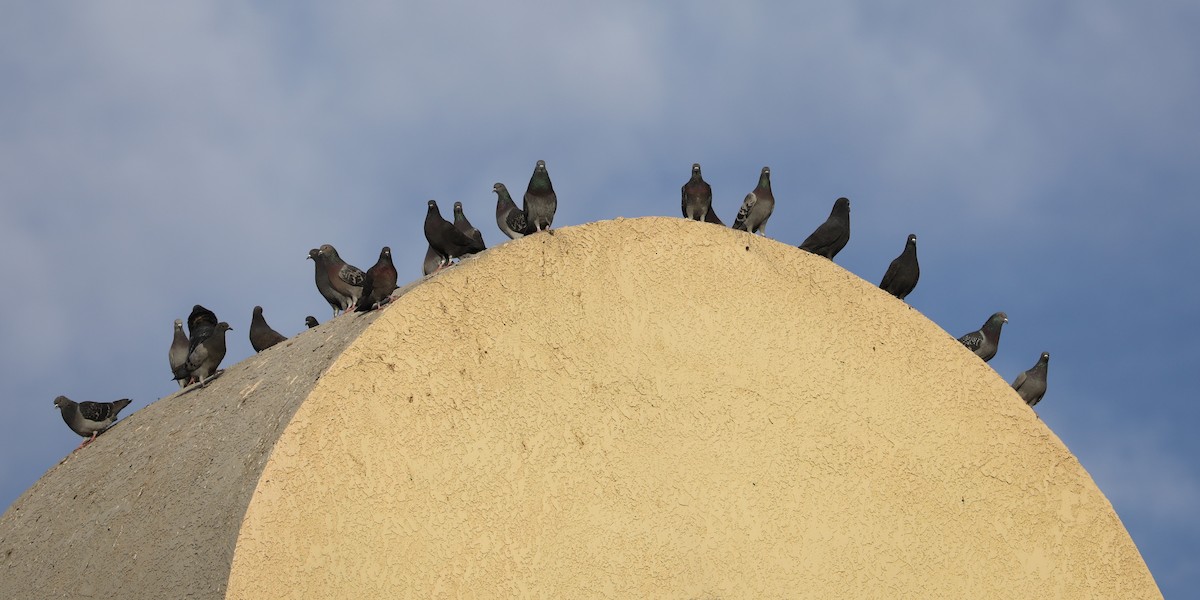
pixel 157 155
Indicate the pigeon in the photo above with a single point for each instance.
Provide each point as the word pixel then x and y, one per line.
pixel 311 321
pixel 711 217
pixel 509 218
pixel 203 360
pixel 540 200
pixel 831 236
pixel 178 353
pixel 201 323
pixel 903 273
pixel 344 279
pixel 985 341
pixel 462 224
pixel 89 419
pixel 432 262
pixel 445 239
pixel 261 334
pixel 757 206
pixel 697 196
pixel 1031 385
pixel 382 279
pixel 335 299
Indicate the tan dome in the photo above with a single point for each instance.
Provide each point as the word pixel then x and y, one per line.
pixel 630 408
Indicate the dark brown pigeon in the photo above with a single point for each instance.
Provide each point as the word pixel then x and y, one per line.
pixel 311 321
pixel 540 200
pixel 831 236
pixel 757 207
pixel 445 239
pixel 696 196
pixel 902 275
pixel 382 279
pixel 89 419
pixel 1031 385
pixel 344 279
pixel 261 334
pixel 509 218
pixel 986 341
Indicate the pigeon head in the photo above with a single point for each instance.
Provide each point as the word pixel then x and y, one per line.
pixel 312 254
pixel 433 207
pixel 841 206
pixel 387 251
pixel 912 238
pixel 61 402
pixel 499 188
pixel 311 321
pixel 257 311
pixel 1045 359
pixel 329 251
pixel 458 211
pixel 541 166
pixel 764 178
pixel 223 326
pixel 695 168
pixel 178 323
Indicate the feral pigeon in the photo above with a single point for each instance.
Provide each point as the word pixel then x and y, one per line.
pixel 335 299
pixel 757 206
pixel 445 239
pixel 344 279
pixel 985 341
pixel 178 353
pixel 831 236
pixel 201 324
pixel 697 196
pixel 432 262
pixel 462 224
pixel 509 218
pixel 1031 385
pixel 382 279
pixel 261 334
pixel 89 419
pixel 203 360
pixel 903 273
pixel 311 321
pixel 540 201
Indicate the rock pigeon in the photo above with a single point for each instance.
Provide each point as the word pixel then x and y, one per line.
pixel 697 196
pixel 335 299
pixel 757 206
pixel 903 273
pixel 540 201
pixel 445 239
pixel 311 321
pixel 203 360
pixel 1031 385
pixel 201 323
pixel 344 279
pixel 261 334
pixel 462 224
pixel 432 262
pixel 178 353
pixel 382 279
pixel 985 341
pixel 509 218
pixel 89 419
pixel 831 236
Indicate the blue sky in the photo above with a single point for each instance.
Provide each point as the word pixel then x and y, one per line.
pixel 158 155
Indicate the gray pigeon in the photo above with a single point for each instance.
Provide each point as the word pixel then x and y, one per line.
pixel 540 201
pixel 445 239
pixel 985 341
pixel 335 299
pixel 203 360
pixel 697 196
pixel 432 262
pixel 261 334
pixel 509 218
pixel 344 279
pixel 89 419
pixel 902 275
pixel 831 236
pixel 178 353
pixel 311 321
pixel 462 224
pixel 1031 385
pixel 757 206
pixel 382 279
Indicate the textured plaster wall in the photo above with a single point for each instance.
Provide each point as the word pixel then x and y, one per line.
pixel 660 408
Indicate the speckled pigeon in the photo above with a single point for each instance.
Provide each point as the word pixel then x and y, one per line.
pixel 261 334
pixel 178 353
pixel 985 341
pixel 540 200
pixel 902 275
pixel 89 419
pixel 696 196
pixel 757 206
pixel 344 279
pixel 1031 385
pixel 509 218
pixel 335 299
pixel 382 279
pixel 445 239
pixel 311 321
pixel 831 236
pixel 203 360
